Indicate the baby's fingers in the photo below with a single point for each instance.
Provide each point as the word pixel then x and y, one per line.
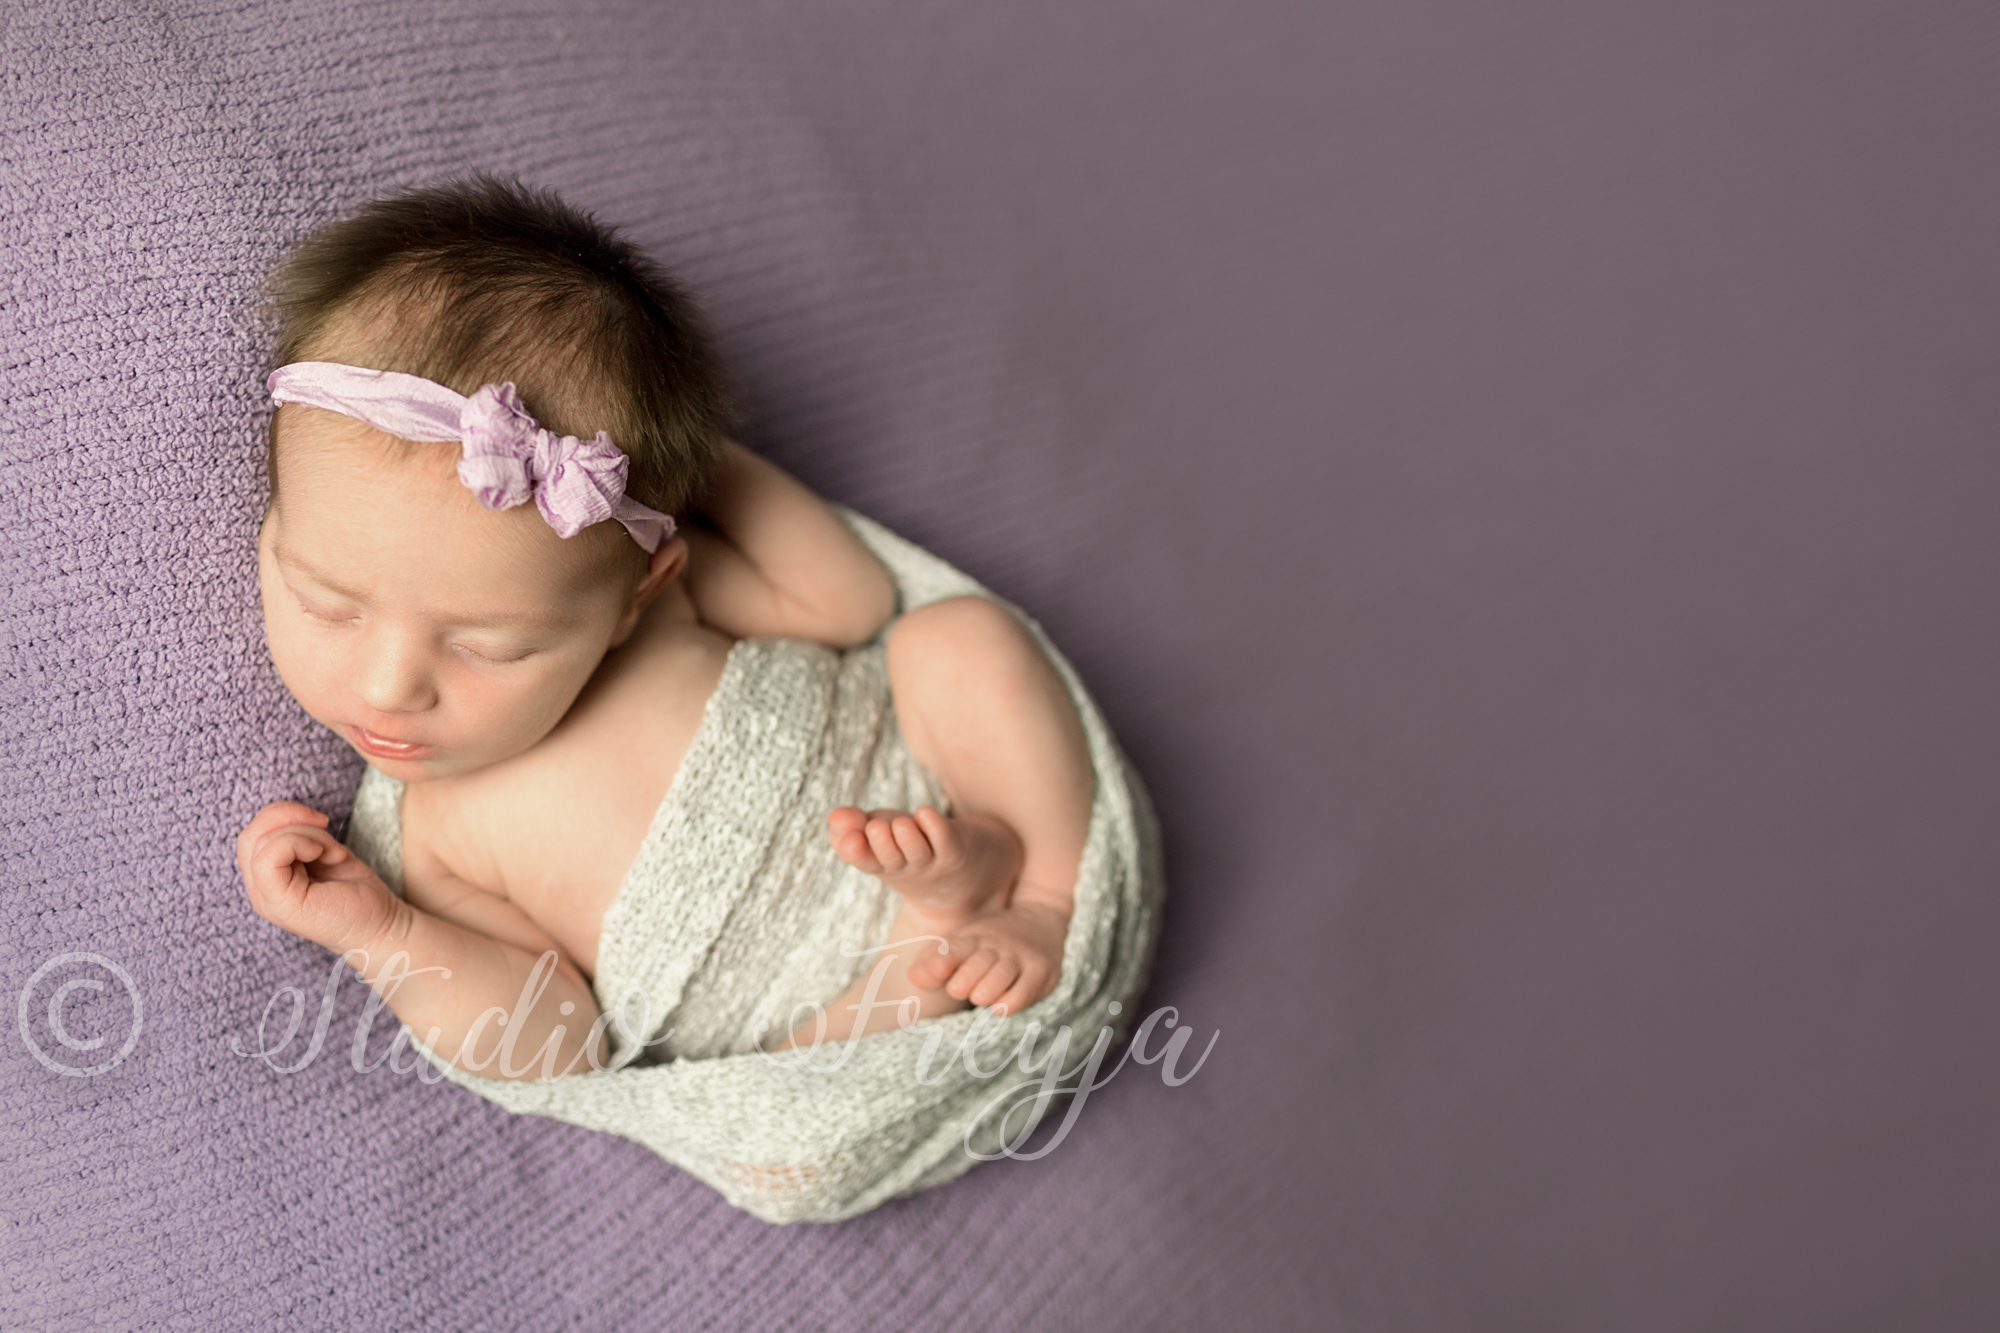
pixel 279 813
pixel 279 855
pixel 276 815
pixel 312 842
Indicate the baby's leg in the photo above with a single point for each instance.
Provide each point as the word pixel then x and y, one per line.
pixel 981 706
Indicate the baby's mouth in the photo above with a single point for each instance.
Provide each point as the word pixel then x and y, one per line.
pixel 381 747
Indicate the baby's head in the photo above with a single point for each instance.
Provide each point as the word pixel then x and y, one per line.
pixel 436 634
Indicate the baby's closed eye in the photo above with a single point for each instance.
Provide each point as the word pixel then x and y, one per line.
pixel 326 617
pixel 496 656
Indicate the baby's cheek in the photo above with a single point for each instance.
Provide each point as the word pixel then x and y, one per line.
pixel 305 672
pixel 537 713
pixel 519 718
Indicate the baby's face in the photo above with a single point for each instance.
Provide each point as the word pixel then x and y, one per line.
pixel 435 636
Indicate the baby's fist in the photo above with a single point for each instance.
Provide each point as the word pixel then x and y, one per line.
pixel 303 879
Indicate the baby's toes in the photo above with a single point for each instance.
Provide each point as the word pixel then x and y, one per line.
pixel 932 966
pixel 941 834
pixel 929 971
pixel 882 841
pixel 1033 983
pixel 999 979
pixel 847 819
pixel 933 969
pixel 853 847
pixel 916 848
pixel 969 972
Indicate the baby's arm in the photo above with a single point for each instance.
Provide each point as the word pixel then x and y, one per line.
pixel 780 564
pixel 470 961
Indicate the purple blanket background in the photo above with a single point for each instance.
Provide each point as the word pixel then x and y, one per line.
pixel 1521 481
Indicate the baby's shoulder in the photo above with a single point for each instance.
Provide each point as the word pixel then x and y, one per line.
pixel 657 681
pixel 592 784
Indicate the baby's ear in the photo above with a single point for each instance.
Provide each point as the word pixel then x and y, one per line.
pixel 662 568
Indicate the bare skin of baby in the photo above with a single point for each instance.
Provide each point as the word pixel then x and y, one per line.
pixel 537 697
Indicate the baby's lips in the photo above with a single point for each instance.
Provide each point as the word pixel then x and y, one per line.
pixel 382 747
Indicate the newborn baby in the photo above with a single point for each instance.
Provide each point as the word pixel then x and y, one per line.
pixel 490 407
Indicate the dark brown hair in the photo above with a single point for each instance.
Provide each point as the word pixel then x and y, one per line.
pixel 482 280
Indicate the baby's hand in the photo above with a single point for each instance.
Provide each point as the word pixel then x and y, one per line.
pixel 302 878
pixel 1007 958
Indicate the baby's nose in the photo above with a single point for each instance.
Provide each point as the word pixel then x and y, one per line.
pixel 396 678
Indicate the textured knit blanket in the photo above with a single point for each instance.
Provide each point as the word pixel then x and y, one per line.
pixel 736 911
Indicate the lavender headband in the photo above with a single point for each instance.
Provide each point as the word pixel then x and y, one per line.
pixel 508 456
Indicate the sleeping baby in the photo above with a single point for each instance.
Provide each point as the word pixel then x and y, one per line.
pixel 490 409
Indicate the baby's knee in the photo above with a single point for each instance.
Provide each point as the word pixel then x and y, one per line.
pixel 957 635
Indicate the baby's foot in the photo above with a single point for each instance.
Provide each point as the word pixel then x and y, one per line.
pixel 1008 958
pixel 945 868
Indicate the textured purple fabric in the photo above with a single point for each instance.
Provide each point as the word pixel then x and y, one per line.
pixel 1520 479
pixel 509 457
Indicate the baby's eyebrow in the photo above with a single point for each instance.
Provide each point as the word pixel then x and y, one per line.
pixel 295 565
pixel 527 620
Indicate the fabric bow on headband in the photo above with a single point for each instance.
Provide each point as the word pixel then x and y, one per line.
pixel 508 457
